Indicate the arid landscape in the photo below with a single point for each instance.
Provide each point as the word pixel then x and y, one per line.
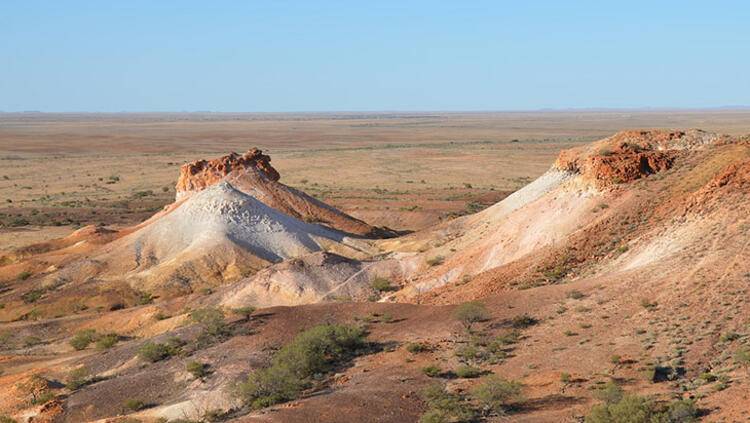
pixel 375 267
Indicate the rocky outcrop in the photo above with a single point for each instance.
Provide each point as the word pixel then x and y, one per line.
pixel 253 174
pixel 631 155
pixel 200 174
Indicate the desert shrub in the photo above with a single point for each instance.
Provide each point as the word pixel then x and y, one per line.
pixel 729 337
pixel 245 312
pixel 30 341
pixel 133 404
pixel 575 295
pixel 495 395
pixel 82 339
pixel 416 347
pixel 610 393
pixel 435 261
pixel 444 407
pixel 107 341
pixel 197 369
pixel 382 285
pixel 638 409
pixel 43 398
pixel 32 296
pixel 314 351
pixel 24 275
pixel 742 357
pixel 470 313
pixel 468 372
pixel 6 419
pixel 523 321
pixel 211 320
pixel 153 352
pixel 77 378
pixel 648 305
pixel 432 370
pixel 144 298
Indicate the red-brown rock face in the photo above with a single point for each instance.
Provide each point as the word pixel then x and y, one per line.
pixel 200 174
pixel 631 155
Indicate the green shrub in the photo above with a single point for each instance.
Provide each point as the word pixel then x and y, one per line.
pixel 82 339
pixel 638 409
pixel 24 275
pixel 470 313
pixel 382 285
pixel 742 357
pixel 144 298
pixel 575 295
pixel 245 312
pixel 416 347
pixel 107 341
pixel 432 370
pixel 77 378
pixel 32 296
pixel 496 394
pixel 314 351
pixel 153 352
pixel 211 320
pixel 444 407
pixel 134 404
pixel 610 393
pixel 468 372
pixel 523 321
pixel 197 369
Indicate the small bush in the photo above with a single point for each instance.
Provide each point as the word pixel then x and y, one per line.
pixel 468 372
pixel 153 352
pixel 314 351
pixel 82 339
pixel 197 369
pixel 444 407
pixel 24 275
pixel 32 296
pixel 416 347
pixel 742 357
pixel 382 285
pixel 77 378
pixel 134 404
pixel 432 370
pixel 211 320
pixel 523 321
pixel 575 295
pixel 638 409
pixel 6 419
pixel 610 393
pixel 245 312
pixel 107 341
pixel 496 394
pixel 470 313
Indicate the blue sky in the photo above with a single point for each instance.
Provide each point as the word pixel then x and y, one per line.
pixel 371 55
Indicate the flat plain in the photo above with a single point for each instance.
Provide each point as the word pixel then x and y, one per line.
pixel 401 170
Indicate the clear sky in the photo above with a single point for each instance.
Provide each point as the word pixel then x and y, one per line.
pixel 275 55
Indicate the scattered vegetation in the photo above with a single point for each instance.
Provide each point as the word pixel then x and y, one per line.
pixel 432 370
pixel 107 341
pixel 77 378
pixel 153 351
pixel 416 347
pixel 380 284
pixel 468 372
pixel 197 369
pixel 470 313
pixel 134 404
pixel 495 395
pixel 315 351
pixel 82 339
